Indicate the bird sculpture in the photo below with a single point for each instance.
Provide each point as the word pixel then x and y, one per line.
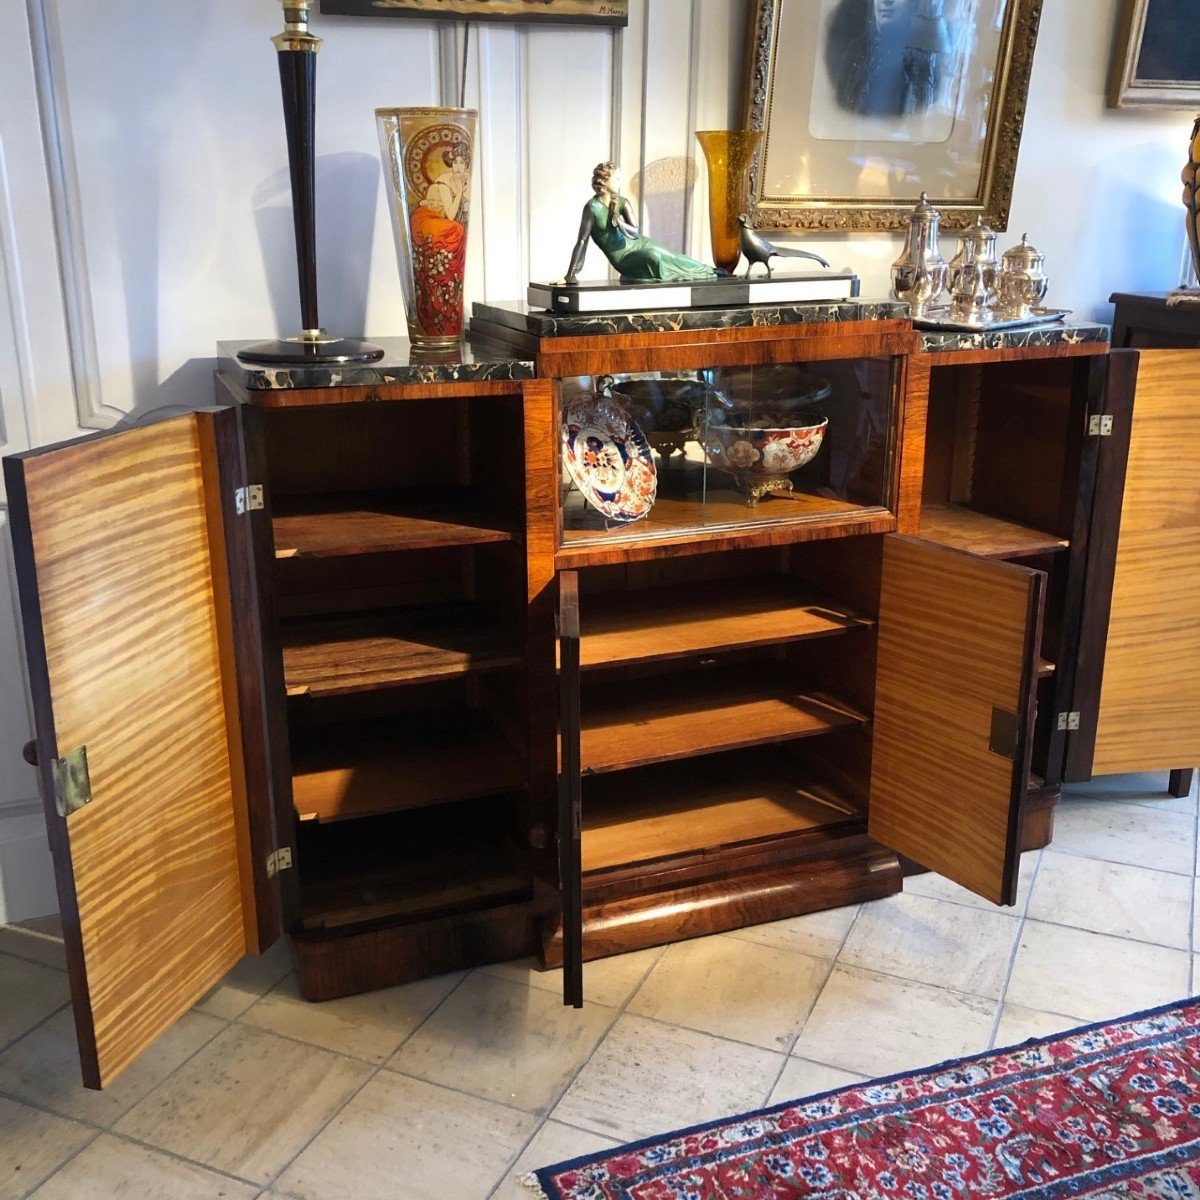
pixel 758 250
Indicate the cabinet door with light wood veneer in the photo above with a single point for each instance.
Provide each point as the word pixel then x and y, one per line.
pixel 1146 653
pixel 129 581
pixel 955 678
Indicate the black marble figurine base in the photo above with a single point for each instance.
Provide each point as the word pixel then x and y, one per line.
pixel 298 352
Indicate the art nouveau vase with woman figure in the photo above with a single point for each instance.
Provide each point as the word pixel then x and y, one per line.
pixel 427 156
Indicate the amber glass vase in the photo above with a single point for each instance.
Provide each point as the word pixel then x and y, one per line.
pixel 729 153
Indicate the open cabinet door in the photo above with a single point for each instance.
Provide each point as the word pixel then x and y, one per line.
pixel 954 707
pixel 570 793
pixel 1137 686
pixel 130 578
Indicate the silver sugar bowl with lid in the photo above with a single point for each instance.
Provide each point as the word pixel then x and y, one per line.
pixel 1021 284
pixel 973 273
pixel 919 274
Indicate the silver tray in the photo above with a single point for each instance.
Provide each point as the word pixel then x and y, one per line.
pixel 939 318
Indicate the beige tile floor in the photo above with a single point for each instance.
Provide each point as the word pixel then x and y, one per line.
pixel 451 1088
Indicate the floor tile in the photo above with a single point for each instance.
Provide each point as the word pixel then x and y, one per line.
pixel 1091 975
pixel 1019 1024
pixel 253 977
pixel 733 989
pixel 608 981
pixel 878 1025
pixel 402 1137
pixel 931 941
pixel 1107 897
pixel 369 1026
pixel 648 1078
pixel 504 1041
pixel 39 939
pixel 801 1079
pixel 553 1144
pixel 1147 789
pixel 116 1168
pixel 1125 833
pixel 938 887
pixel 820 934
pixel 43 1067
pixel 32 1144
pixel 246 1103
pixel 31 993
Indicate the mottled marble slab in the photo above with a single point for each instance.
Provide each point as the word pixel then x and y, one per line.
pixel 938 342
pixel 399 364
pixel 519 316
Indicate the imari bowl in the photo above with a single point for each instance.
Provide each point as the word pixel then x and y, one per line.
pixel 762 460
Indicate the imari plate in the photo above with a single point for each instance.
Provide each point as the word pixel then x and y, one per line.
pixel 608 458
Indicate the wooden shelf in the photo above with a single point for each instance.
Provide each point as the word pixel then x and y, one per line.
pixel 1045 668
pixel 701 806
pixel 664 623
pixel 411 866
pixel 328 526
pixel 693 501
pixel 401 762
pixel 632 723
pixel 964 529
pixel 324 656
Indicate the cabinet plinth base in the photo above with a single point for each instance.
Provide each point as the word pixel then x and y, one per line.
pixel 850 875
pixel 1037 816
pixel 346 963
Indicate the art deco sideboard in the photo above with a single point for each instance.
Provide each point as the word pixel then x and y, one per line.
pixel 345 658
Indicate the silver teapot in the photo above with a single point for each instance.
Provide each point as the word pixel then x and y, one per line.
pixel 973 272
pixel 919 274
pixel 1022 283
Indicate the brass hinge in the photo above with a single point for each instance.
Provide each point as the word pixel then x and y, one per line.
pixel 1068 720
pixel 1100 426
pixel 279 860
pixel 248 498
pixel 72 784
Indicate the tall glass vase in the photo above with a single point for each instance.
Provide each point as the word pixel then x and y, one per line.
pixel 427 158
pixel 729 153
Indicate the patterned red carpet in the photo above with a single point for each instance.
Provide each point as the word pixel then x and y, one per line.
pixel 1109 1111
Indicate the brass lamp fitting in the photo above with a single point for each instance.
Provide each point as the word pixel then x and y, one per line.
pixel 295 35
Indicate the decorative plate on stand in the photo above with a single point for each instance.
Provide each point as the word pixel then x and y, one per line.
pixel 608 458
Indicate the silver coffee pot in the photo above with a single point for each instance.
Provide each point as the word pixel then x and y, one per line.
pixel 973 273
pixel 1022 283
pixel 919 274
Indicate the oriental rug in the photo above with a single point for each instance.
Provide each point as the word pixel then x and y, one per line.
pixel 1111 1110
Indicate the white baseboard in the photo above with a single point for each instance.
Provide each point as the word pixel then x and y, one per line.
pixel 26 871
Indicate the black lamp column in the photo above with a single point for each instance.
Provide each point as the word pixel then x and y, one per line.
pixel 297 49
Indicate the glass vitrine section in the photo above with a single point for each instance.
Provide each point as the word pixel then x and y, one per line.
pixel 658 454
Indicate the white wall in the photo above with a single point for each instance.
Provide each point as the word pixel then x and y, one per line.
pixel 144 208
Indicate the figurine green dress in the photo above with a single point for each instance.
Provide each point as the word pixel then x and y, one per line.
pixel 636 257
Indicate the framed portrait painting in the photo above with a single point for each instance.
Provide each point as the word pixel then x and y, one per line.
pixel 865 104
pixel 1156 59
pixel 557 12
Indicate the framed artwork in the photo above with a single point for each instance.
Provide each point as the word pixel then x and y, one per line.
pixel 865 104
pixel 1156 59
pixel 559 12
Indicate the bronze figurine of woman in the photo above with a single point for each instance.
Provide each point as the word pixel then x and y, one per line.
pixel 608 220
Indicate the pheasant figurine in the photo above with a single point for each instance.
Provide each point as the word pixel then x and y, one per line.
pixel 758 250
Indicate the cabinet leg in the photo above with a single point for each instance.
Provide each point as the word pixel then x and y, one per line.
pixel 1180 783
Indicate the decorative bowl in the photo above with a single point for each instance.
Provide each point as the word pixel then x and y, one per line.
pixel 662 405
pixel 762 460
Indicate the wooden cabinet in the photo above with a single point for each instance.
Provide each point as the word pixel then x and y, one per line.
pixel 344 658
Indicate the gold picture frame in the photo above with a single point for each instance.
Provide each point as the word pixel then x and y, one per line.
pixel 895 151
pixel 1156 56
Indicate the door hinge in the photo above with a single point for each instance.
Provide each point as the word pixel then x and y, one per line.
pixel 1068 720
pixel 1100 426
pixel 279 860
pixel 72 783
pixel 248 498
